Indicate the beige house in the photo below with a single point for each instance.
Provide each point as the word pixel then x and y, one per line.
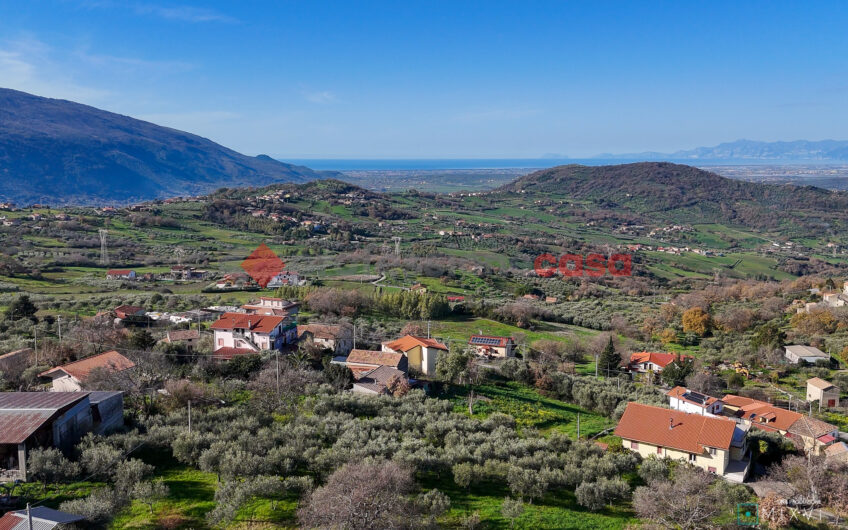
pixel 809 354
pixel 337 338
pixel 825 393
pixel 492 346
pixel 422 354
pixel 716 445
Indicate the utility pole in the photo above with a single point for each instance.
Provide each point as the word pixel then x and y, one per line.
pixel 189 416
pixel 59 321
pixel 428 329
pixel 29 517
pixel 354 336
pixel 596 365
pixel 278 373
pixel 35 339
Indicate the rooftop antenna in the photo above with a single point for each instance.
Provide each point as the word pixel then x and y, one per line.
pixel 104 248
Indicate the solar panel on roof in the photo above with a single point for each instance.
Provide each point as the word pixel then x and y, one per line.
pixel 488 341
pixel 696 397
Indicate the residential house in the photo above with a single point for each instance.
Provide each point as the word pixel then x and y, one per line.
pixel 361 361
pixel 377 380
pixel 30 420
pixel 825 393
pixel 286 278
pixel 422 353
pixel 244 333
pixel 182 272
pixel 837 451
pixel 808 433
pixel 809 354
pixel 187 337
pixel 272 306
pixel 334 337
pixel 685 400
pixel 644 361
pixel 492 346
pixel 71 377
pixel 716 445
pixel 234 280
pixel 129 314
pixel 43 518
pixel 120 274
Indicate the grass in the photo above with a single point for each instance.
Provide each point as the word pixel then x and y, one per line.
pixel 191 496
pixel 529 408
pixel 555 510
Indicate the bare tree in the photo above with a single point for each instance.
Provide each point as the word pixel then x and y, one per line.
pixel 362 495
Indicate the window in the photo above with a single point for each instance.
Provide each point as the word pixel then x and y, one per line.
pixel 693 458
pixel 634 445
pixel 659 450
pixel 711 469
pixel 712 450
pixel 220 342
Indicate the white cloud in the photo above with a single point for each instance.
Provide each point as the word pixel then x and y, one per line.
pixel 322 97
pixel 183 13
pixel 26 65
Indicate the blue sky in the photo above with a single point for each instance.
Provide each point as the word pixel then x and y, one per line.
pixel 443 79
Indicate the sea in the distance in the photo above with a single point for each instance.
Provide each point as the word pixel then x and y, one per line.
pixel 411 164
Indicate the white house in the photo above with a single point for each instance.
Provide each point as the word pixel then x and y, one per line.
pixel 251 332
pixel 685 400
pixel 71 377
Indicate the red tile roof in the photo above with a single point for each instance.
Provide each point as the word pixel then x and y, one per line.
pixel 80 370
pixel 123 311
pixel 763 415
pixel 118 272
pixel 660 359
pixel 226 353
pixel 10 521
pixel 408 342
pixel 671 428
pixel 254 323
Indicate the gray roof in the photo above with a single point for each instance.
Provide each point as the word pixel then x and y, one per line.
pixel 99 396
pixel 51 515
pixel 39 400
pixel 806 351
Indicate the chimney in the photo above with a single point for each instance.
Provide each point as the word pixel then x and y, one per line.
pixel 670 423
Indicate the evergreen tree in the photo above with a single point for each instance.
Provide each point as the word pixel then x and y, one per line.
pixel 609 360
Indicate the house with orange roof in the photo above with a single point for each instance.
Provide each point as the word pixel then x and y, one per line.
pixel 809 434
pixel 243 333
pixel 71 377
pixel 717 445
pixel 644 361
pixel 422 353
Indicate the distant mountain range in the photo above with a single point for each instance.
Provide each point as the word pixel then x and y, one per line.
pixel 751 150
pixel 60 152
